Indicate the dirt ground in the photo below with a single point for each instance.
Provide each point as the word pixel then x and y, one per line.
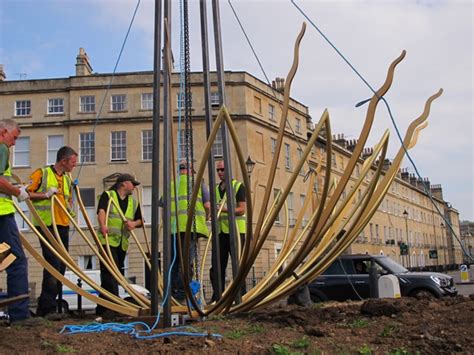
pixel 389 326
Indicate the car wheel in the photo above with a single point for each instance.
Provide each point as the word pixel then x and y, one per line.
pixel 422 294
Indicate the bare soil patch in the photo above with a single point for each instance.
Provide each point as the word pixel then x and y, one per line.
pixel 388 326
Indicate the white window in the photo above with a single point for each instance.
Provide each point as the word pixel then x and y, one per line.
pixel 147 144
pixel 271 112
pixel 274 143
pixel 87 104
pixel 88 262
pixel 217 148
pixel 298 125
pixel 304 222
pixel 54 143
pixel 146 204
pixel 88 198
pixel 181 100
pixel 276 193
pixel 300 157
pixel 23 108
pixel 118 146
pixel 215 98
pixel 147 101
pixel 291 209
pixel 55 106
pixel 20 222
pixel 333 160
pixel 21 152
pixel 118 103
pixel 287 157
pixel 182 145
pixel 87 147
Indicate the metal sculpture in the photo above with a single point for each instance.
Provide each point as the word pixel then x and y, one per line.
pixel 334 223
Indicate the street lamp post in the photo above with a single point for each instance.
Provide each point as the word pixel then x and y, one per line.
pixel 250 165
pixel 405 215
pixel 443 245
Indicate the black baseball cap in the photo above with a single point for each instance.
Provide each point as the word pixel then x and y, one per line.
pixel 127 177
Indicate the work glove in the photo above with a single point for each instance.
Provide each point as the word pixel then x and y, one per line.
pixel 52 191
pixel 24 195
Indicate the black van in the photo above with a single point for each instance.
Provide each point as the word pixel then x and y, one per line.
pixel 347 278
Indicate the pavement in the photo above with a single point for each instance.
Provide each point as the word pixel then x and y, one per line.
pixel 464 288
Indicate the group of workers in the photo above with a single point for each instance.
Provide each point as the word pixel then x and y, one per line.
pixel 202 213
pixel 55 180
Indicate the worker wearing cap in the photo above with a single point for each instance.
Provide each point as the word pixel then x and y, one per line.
pixel 44 183
pixel 199 229
pixel 116 230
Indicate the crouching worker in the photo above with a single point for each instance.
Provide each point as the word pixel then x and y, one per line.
pixel 116 230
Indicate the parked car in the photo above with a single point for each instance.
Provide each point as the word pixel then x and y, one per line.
pixel 347 278
pixel 69 301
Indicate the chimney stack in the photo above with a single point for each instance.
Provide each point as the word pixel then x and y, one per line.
pixel 3 76
pixel 83 66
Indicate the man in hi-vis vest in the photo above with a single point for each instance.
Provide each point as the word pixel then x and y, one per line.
pixel 223 227
pixel 117 231
pixel 17 272
pixel 199 228
pixel 44 183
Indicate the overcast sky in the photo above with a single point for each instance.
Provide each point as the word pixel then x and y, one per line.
pixel 41 38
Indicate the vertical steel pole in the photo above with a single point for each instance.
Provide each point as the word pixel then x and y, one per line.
pixel 210 163
pixel 167 117
pixel 225 143
pixel 155 174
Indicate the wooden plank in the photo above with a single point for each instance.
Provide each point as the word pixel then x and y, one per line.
pixel 6 262
pixel 6 301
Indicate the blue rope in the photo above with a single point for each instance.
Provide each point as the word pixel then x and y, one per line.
pixel 131 328
pixel 425 188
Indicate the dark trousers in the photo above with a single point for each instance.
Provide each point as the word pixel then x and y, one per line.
pixel 17 272
pixel 50 287
pixel 107 280
pixel 177 284
pixel 225 251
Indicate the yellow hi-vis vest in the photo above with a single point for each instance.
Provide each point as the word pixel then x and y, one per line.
pixel 6 202
pixel 199 211
pixel 118 234
pixel 44 206
pixel 240 221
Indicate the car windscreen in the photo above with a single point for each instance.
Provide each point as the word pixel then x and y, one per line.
pixel 391 265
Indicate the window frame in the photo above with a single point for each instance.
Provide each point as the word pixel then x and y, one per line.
pixel 118 145
pixel 19 108
pixel 91 148
pixel 27 152
pixel 148 144
pixel 118 105
pixel 146 101
pixel 48 150
pixel 87 104
pixel 287 156
pixel 58 105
